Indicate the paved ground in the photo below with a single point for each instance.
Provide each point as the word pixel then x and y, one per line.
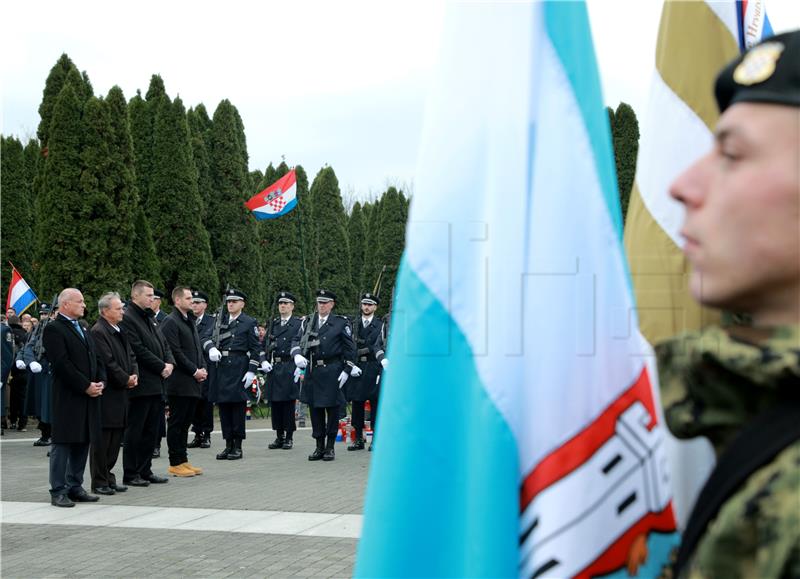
pixel 272 514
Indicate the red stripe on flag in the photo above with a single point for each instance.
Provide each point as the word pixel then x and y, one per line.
pixel 283 184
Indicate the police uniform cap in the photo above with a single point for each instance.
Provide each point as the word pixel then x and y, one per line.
pixel 766 73
pixel 286 297
pixel 158 294
pixel 324 295
pixel 234 294
pixel 45 308
pixel 198 296
pixel 371 299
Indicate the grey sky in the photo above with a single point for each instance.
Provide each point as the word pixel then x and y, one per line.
pixel 341 83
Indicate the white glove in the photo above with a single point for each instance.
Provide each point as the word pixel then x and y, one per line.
pixel 214 355
pixel 35 367
pixel 385 363
pixel 355 371
pixel 342 379
pixel 248 379
pixel 297 373
pixel 20 365
pixel 266 366
pixel 299 361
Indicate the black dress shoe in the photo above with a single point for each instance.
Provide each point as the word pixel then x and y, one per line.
pixel 206 442
pixel 157 452
pixel 316 455
pixel 84 497
pixel 328 455
pixel 61 501
pixel 119 488
pixel 195 443
pixel 137 482
pixel 103 490
pixel 157 480
pixel 277 443
pixel 288 444
pixel 42 442
pixel 358 444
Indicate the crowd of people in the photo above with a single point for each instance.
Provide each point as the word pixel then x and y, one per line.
pixel 138 375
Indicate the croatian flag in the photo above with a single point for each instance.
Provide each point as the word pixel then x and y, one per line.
pixel 20 294
pixel 518 432
pixel 277 199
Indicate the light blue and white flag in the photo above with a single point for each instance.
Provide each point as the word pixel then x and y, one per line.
pixel 518 434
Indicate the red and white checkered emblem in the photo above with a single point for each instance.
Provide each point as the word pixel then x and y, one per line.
pixel 276 203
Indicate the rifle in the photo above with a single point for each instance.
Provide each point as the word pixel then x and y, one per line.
pixel 215 335
pixel 310 338
pixel 38 347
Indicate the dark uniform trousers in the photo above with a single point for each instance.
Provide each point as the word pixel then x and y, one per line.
pixel 203 418
pixel 181 411
pixel 283 416
pixel 359 413
pixel 231 419
pixel 104 456
pixel 67 463
pixel 143 417
pixel 320 427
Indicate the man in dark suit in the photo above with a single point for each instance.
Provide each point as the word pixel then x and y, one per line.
pixel 116 354
pixel 328 354
pixel 155 363
pixel 78 383
pixel 203 420
pixel 184 385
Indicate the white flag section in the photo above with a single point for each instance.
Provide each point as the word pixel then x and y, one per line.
pixel 515 349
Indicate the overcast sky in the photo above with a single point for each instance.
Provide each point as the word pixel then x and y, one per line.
pixel 342 83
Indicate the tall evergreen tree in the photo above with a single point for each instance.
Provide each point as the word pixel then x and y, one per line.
pixel 199 130
pixel 52 88
pixel 390 242
pixel 357 233
pixel 307 255
pixel 332 267
pixel 34 162
pixel 626 149
pixel 15 207
pixel 175 205
pixel 60 241
pixel 141 125
pixel 234 235
pixel 145 264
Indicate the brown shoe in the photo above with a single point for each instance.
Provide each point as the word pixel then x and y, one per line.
pixel 180 470
pixel 194 469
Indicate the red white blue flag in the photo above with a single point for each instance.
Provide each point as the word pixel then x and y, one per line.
pixel 20 294
pixel 277 199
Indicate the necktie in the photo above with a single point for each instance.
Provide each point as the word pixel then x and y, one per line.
pixel 366 323
pixel 283 322
pixel 78 328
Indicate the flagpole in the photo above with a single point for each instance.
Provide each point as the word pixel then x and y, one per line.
pixel 302 249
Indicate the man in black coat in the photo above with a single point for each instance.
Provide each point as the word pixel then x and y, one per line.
pixel 78 383
pixel 282 388
pixel 155 363
pixel 203 420
pixel 122 375
pixel 327 352
pixel 184 385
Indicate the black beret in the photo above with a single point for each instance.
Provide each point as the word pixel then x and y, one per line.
pixel 198 296
pixel 767 73
pixel 285 297
pixel 368 298
pixel 325 295
pixel 234 294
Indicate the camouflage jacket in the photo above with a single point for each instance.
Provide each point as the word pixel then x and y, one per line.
pixel 712 384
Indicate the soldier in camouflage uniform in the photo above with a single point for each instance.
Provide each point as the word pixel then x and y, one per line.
pixel 739 385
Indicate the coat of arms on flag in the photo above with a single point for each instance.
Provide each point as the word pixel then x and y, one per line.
pixel 277 199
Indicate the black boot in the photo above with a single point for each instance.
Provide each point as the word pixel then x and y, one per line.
pixel 320 450
pixel 329 454
pixel 278 443
pixel 288 443
pixel 228 448
pixel 195 443
pixel 206 441
pixel 358 443
pixel 236 451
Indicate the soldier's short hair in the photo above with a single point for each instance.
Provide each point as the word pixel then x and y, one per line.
pixel 178 291
pixel 105 300
pixel 139 285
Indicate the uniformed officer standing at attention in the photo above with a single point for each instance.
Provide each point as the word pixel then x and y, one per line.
pixel 282 389
pixel 238 354
pixel 324 347
pixel 366 331
pixel 203 421
pixel 158 317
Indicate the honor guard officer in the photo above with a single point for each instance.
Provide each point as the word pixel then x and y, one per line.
pixel 324 347
pixel 203 421
pixel 366 331
pixel 282 389
pixel 159 316
pixel 40 382
pixel 237 356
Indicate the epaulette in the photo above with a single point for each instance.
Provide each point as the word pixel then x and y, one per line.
pixel 345 318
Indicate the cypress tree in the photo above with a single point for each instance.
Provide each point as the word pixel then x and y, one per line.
pixel 390 242
pixel 234 235
pixel 199 126
pixel 626 150
pixel 59 248
pixel 52 88
pixel 16 233
pixel 332 267
pixel 357 233
pixel 145 263
pixel 142 138
pixel 303 210
pixel 176 208
pixel 33 164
